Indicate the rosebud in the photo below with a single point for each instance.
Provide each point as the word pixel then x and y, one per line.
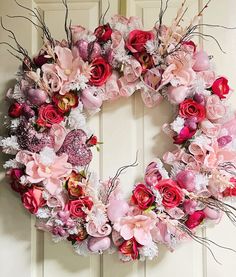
pixel 15 110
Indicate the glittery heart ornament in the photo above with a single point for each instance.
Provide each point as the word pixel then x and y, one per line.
pixel 75 147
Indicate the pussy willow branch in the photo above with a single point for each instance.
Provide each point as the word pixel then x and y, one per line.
pixel 202 241
pixel 113 184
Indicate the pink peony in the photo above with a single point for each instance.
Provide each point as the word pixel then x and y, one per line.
pixel 138 226
pixel 49 168
pixel 215 109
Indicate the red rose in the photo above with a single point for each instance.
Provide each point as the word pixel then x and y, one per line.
pixel 230 191
pixel 220 87
pixel 184 135
pixel 49 115
pixel 33 200
pixel 190 108
pixel 171 194
pixel 137 40
pixel 77 207
pixel 195 219
pixel 103 33
pixel 15 110
pixel 101 71
pixel 142 197
pixel 130 248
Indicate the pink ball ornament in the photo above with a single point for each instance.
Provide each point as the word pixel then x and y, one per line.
pixel 99 244
pixel 82 46
pixel 202 61
pixel 36 96
pixel 96 52
pixel 117 209
pixel 185 179
pixel 90 99
pixel 212 213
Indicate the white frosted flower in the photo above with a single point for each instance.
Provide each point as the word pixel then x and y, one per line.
pixel 178 124
pixel 24 180
pixel 15 123
pixel 150 251
pixel 43 213
pixel 76 120
pixel 151 46
pixel 124 258
pixel 16 93
pixel 47 156
pixel 201 181
pixel 80 83
pixel 57 239
pixel 73 231
pixel 81 248
pixel 12 163
pixel 9 145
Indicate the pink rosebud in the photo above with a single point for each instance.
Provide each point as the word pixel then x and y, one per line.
pixel 90 99
pixel 99 244
pixel 117 209
pixel 176 95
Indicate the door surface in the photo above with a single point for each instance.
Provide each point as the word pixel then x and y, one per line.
pixel 25 252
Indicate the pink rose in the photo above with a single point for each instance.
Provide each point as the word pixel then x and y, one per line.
pixel 33 200
pixel 78 207
pixel 195 219
pixel 210 129
pixel 143 197
pixel 171 194
pixel 176 95
pixel 215 109
pixel 152 174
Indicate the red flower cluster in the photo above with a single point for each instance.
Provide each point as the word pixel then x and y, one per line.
pixel 142 196
pixel 101 71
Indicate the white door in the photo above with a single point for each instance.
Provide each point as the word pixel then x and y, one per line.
pixel 25 252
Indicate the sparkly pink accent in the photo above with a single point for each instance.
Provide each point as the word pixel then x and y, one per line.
pixel 75 147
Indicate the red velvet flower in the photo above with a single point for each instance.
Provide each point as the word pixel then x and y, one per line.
pixel 190 108
pixel 130 248
pixel 171 194
pixel 142 197
pixel 220 87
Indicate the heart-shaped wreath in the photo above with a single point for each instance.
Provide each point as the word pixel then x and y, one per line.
pixel 66 83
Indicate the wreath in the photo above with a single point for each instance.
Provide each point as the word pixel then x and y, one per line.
pixel 65 84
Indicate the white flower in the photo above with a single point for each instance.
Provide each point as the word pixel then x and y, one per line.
pixel 81 248
pixel 12 163
pixel 57 239
pixel 47 156
pixel 9 145
pixel 150 251
pixel 43 213
pixel 16 93
pixel 151 46
pixel 24 180
pixel 178 124
pixel 201 181
pixel 76 120
pixel 124 258
pixel 80 83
